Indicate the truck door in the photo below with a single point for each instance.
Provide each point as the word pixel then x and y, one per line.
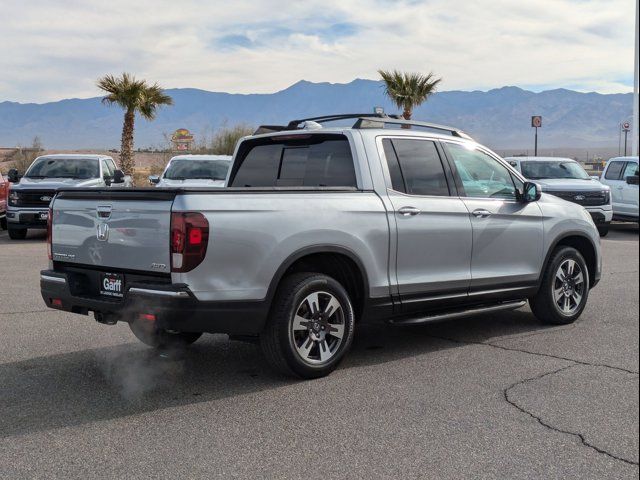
pixel 507 234
pixel 432 224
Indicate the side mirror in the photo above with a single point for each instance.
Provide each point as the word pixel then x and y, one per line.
pixel 118 177
pixel 154 179
pixel 531 192
pixel 13 176
pixel 632 180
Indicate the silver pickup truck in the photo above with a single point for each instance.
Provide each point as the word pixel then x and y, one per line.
pixel 320 229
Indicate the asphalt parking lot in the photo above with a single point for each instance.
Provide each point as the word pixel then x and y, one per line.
pixel 493 396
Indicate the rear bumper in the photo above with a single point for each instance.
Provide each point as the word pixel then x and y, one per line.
pixel 174 306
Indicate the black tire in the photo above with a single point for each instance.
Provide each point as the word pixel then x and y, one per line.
pixel 3 223
pixel 17 233
pixel 603 231
pixel 544 304
pixel 147 333
pixel 281 340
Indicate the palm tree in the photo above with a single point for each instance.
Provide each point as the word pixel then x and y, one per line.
pixel 408 90
pixel 133 96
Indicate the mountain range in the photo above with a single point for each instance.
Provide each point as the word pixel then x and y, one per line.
pixel 499 118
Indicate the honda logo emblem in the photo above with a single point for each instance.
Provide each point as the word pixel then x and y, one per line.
pixel 102 232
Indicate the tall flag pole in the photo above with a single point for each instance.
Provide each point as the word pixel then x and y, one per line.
pixel 634 138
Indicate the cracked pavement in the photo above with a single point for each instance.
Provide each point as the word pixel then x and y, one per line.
pixel 492 396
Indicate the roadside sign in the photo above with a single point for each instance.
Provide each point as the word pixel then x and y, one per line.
pixel 626 126
pixel 536 121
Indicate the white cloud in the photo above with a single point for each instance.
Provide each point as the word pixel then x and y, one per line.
pixel 54 50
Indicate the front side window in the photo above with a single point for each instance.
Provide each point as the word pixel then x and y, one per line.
pixel 630 170
pixel 80 168
pixel 614 171
pixel 303 161
pixel 106 169
pixel 415 167
pixel 480 174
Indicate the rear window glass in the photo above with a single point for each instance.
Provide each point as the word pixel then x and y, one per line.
pixel 187 168
pixel 305 161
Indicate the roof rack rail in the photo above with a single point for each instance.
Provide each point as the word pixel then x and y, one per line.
pixel 366 122
pixel 363 121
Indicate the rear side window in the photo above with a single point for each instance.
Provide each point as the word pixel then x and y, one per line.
pixel 614 171
pixel 415 167
pixel 303 161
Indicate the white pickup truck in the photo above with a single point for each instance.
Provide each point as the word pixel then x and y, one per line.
pixel 321 229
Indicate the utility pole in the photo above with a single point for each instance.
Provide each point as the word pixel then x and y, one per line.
pixel 634 135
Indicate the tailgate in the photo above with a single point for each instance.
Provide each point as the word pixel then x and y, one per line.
pixel 114 229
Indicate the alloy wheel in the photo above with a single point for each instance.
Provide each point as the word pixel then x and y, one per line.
pixel 318 328
pixel 569 287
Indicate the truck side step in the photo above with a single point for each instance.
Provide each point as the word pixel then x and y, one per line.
pixel 460 313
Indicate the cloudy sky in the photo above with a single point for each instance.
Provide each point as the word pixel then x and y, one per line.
pixel 57 49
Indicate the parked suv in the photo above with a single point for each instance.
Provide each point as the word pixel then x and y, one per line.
pixel 30 195
pixel 621 174
pixel 321 229
pixel 194 171
pixel 565 178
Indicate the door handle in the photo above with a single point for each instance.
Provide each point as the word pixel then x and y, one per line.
pixel 481 213
pixel 621 187
pixel 408 211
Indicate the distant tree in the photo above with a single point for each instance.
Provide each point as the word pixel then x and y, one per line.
pixel 23 157
pixel 134 96
pixel 36 144
pixel 225 139
pixel 408 90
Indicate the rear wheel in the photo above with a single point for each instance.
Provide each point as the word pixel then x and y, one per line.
pixel 3 223
pixel 147 333
pixel 565 288
pixel 17 233
pixel 603 230
pixel 310 328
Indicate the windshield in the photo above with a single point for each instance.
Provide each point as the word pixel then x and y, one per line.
pixel 183 169
pixel 80 168
pixel 537 170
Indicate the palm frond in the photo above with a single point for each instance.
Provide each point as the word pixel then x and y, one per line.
pixel 408 90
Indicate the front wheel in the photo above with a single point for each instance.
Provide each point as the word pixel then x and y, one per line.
pixel 564 290
pixel 3 223
pixel 603 230
pixel 310 328
pixel 149 334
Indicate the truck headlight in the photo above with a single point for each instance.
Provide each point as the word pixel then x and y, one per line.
pixel 13 198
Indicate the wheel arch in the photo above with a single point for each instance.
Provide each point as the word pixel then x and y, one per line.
pixel 334 260
pixel 584 245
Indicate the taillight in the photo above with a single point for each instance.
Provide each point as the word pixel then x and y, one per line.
pixel 49 228
pixel 189 238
